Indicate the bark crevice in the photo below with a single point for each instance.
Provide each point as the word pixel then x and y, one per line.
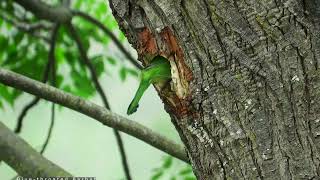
pixel 255 89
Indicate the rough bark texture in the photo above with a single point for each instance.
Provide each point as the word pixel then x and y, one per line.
pixel 26 161
pixel 246 98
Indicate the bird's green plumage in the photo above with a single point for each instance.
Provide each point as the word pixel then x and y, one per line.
pixel 158 70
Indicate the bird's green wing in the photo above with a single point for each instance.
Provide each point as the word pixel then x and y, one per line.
pixel 159 70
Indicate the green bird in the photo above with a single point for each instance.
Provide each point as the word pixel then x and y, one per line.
pixel 158 71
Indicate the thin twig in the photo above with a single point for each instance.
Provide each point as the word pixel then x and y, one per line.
pixel 35 100
pixel 30 29
pixel 45 145
pixel 103 96
pixel 23 113
pixel 123 154
pixel 51 58
pixel 110 34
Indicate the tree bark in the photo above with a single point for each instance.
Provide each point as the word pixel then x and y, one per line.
pixel 246 81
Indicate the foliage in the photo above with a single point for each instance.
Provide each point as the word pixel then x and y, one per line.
pixel 27 53
pixel 173 169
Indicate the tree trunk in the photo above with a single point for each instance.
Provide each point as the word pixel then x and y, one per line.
pixel 246 81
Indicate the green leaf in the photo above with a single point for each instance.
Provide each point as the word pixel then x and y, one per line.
pixel 98 64
pixel 15 93
pixel 190 178
pixel 185 171
pixel 5 94
pixel 18 38
pixel 12 55
pixel 102 8
pixel 1 105
pixel 77 4
pixel 59 80
pixel 8 94
pixel 70 56
pixel 122 37
pixel 32 70
pixel 3 43
pixel 111 60
pixel 123 73
pixel 85 40
pixel 167 162
pixel 82 84
pixel 67 88
pixel 157 175
pixel 132 72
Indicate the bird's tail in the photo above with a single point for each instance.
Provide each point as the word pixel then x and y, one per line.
pixel 135 101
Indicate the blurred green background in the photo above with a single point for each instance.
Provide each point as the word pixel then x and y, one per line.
pixel 79 144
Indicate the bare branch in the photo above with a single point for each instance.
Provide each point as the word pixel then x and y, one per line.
pixel 52 60
pixel 90 109
pixel 103 96
pixel 24 159
pixel 59 14
pixel 111 35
